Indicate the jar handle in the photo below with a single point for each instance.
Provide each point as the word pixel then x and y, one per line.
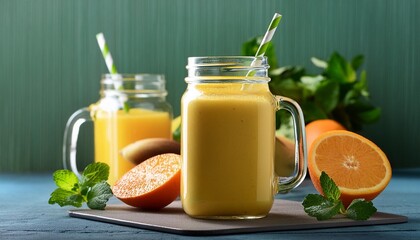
pixel 285 184
pixel 71 134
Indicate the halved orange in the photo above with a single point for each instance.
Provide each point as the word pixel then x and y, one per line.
pixel 358 166
pixel 151 185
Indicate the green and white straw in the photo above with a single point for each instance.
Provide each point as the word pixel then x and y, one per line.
pixel 111 67
pixel 106 53
pixel 268 35
pixel 264 42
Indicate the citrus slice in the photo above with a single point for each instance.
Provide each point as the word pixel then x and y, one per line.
pixel 151 185
pixel 359 168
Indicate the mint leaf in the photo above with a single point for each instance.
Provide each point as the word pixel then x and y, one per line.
pixel 370 116
pixel 340 70
pixel 311 83
pixel 66 180
pixel 65 198
pixel 330 189
pixel 361 86
pixel 359 209
pixel 317 206
pixel 329 205
pixel 292 81
pixel 312 111
pixel 289 86
pixel 99 195
pixel 312 200
pixel 327 95
pixel 95 173
pixel 357 61
pixel 91 188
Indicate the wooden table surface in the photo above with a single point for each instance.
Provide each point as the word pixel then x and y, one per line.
pixel 26 214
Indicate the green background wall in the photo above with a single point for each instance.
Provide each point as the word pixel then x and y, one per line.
pixel 50 64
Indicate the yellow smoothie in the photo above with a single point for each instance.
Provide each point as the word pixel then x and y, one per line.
pixel 228 150
pixel 115 130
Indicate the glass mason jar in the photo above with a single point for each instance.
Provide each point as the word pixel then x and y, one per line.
pixel 131 107
pixel 228 139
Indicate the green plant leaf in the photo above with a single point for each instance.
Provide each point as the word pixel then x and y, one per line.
pixel 340 70
pixel 65 198
pixel 317 206
pixel 369 116
pixel 357 61
pixel 327 95
pixel 359 209
pixel 94 173
pixel 362 85
pixel 363 112
pixel 91 188
pixel 293 72
pixel 312 111
pixel 312 82
pixel 329 205
pixel 250 47
pixel 312 200
pixel 317 94
pixel 286 87
pixel 99 195
pixel 330 189
pixel 66 180
pixel 350 97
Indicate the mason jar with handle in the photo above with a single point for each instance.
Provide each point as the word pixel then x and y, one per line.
pixel 131 107
pixel 228 139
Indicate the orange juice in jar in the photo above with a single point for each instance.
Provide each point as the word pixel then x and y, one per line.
pixel 132 107
pixel 228 137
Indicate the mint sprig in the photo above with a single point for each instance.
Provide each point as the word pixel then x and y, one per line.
pixel 92 188
pixel 329 205
pixel 338 90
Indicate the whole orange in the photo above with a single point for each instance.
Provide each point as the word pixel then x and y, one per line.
pixel 318 127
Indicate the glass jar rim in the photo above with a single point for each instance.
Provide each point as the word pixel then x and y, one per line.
pixel 140 84
pixel 133 77
pixel 213 69
pixel 222 61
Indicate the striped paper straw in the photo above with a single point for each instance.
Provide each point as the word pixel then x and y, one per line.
pixel 268 35
pixel 265 41
pixel 106 53
pixel 111 67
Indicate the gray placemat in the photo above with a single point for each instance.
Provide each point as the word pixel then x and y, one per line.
pixel 285 215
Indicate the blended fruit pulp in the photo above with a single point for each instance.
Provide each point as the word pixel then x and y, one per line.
pixel 228 136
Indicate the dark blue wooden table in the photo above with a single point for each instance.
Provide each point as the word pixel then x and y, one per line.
pixel 26 214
